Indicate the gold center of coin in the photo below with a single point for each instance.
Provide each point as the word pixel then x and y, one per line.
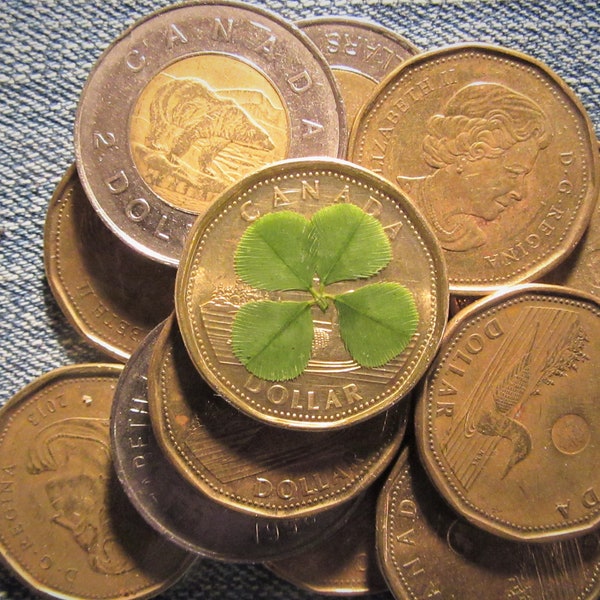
pixel 570 434
pixel 203 123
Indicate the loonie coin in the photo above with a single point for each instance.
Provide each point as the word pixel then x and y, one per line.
pixel 110 294
pixel 337 387
pixel 581 269
pixel 508 419
pixel 343 564
pixel 252 467
pixel 360 54
pixel 496 151
pixel 427 551
pixel 178 510
pixel 67 529
pixel 186 102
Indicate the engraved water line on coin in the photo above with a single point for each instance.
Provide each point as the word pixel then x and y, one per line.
pixel 468 453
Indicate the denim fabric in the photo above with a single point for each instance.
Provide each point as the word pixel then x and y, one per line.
pixel 47 48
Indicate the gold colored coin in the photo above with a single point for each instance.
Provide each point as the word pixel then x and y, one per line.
pixel 581 269
pixel 508 418
pixel 252 467
pixel 68 530
pixel 427 551
pixel 110 294
pixel 334 390
pixel 343 564
pixel 495 150
pixel 361 53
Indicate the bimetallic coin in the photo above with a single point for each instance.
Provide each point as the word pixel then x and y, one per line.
pixel 360 53
pixel 67 528
pixel 255 468
pixel 334 390
pixel 185 103
pixel 110 294
pixel 508 416
pixel 495 150
pixel 427 551
pixel 345 563
pixel 178 510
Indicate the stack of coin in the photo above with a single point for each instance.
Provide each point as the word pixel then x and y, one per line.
pixel 269 223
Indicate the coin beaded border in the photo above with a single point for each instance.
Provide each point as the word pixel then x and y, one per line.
pixel 591 585
pixel 164 414
pixel 429 414
pixel 26 573
pixel 535 71
pixel 409 369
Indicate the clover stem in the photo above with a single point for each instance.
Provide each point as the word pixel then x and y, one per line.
pixel 320 297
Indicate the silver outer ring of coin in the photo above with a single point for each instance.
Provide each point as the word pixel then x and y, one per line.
pixel 180 512
pixel 367 48
pixel 283 54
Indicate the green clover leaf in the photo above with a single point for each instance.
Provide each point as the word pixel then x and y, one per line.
pixel 348 243
pixel 284 251
pixel 273 253
pixel 376 322
pixel 273 340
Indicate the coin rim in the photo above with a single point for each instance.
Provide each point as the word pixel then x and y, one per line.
pixel 572 235
pixel 425 446
pixel 343 168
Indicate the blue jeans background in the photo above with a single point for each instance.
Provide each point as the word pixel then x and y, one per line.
pixel 47 48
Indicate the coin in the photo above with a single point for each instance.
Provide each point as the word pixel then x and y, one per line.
pixel 507 418
pixel 497 152
pixel 181 512
pixel 343 564
pixel 67 529
pixel 187 101
pixel 110 294
pixel 334 390
pixel 360 54
pixel 252 467
pixel 581 269
pixel 427 551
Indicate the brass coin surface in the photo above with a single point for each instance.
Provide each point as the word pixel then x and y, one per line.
pixel 111 295
pixel 206 92
pixel 508 419
pixel 361 53
pixel 253 467
pixel 343 564
pixel 68 530
pixel 181 512
pixel 581 269
pixel 334 390
pixel 497 152
pixel 427 551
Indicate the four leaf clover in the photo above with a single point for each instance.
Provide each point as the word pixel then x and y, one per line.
pixel 284 251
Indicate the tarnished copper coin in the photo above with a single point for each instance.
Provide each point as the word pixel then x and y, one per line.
pixel 335 388
pixel 427 551
pixel 111 295
pixel 252 467
pixel 343 564
pixel 508 418
pixel 186 102
pixel 495 150
pixel 361 53
pixel 67 528
pixel 179 510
